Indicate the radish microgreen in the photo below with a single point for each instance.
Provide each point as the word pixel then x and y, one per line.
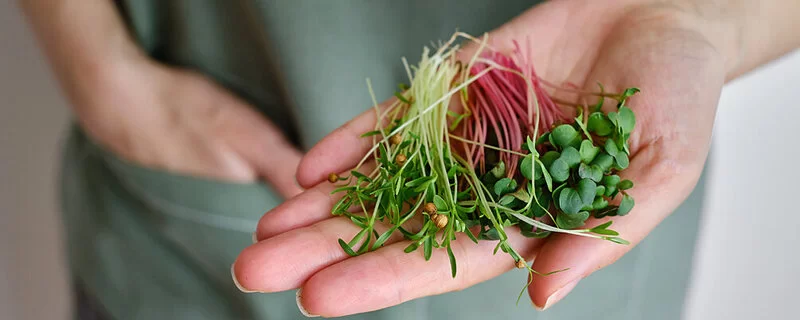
pixel 477 147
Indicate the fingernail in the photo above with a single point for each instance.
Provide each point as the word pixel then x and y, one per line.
pixel 255 238
pixel 558 295
pixel 300 305
pixel 236 282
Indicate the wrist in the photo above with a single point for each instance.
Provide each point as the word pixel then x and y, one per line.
pixel 748 33
pixel 722 24
pixel 113 98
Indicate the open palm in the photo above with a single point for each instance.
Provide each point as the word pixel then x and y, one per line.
pixel 656 48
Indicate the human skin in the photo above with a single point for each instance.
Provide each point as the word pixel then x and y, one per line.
pixel 152 114
pixel 680 53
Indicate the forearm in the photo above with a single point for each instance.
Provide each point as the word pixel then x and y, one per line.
pixel 771 29
pixel 85 42
pixel 748 32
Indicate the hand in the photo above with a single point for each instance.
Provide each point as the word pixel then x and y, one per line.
pixel 678 61
pixel 177 120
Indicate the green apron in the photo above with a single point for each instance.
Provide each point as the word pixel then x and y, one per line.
pixel 155 245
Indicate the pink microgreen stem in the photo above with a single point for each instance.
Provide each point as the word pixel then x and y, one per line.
pixel 501 103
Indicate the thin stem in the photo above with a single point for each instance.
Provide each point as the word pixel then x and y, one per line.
pixel 487 145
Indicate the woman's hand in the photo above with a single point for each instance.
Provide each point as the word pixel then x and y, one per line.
pixel 177 120
pixel 152 114
pixel 679 56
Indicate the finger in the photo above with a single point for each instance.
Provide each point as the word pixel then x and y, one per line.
pixel 659 190
pixel 305 209
pixel 390 276
pixel 341 150
pixel 262 145
pixel 283 262
pixel 287 260
pixel 279 170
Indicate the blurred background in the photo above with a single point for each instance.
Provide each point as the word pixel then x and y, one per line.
pixel 745 264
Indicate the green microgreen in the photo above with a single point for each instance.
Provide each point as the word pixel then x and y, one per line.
pixel 483 167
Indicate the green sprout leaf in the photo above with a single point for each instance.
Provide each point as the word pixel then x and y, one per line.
pixel 549 157
pixel 347 248
pixel 571 221
pixel 611 147
pixel 608 211
pixel 588 151
pixel 584 129
pixel 440 204
pixel 559 170
pixel 592 172
pixel 605 232
pixel 371 133
pixel 571 156
pixel 531 146
pixel 618 240
pixel 504 186
pixel 626 205
pixel 627 94
pixel 506 200
pixel 402 98
pixel 599 203
pixel 614 118
pixel 602 226
pixel 563 135
pixel 611 191
pixel 603 161
pixel 491 234
pixel 544 202
pixel 611 181
pixel 499 170
pixel 625 185
pixel 382 239
pixel 547 178
pixel 570 201
pixel 542 139
pixel 420 181
pixel 601 190
pixel 587 190
pixel 522 195
pixel 411 247
pixel 452 261
pixel 527 168
pixel 627 120
pixel 621 158
pixel 360 176
pixel 599 124
pixel 427 248
pixel 603 229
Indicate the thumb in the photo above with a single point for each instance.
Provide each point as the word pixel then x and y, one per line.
pixel 658 192
pixel 264 146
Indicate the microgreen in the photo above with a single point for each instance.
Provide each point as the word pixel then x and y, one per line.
pixel 506 155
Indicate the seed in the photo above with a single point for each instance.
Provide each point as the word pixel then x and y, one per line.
pixel 439 220
pixel 332 178
pixel 429 208
pixel 400 159
pixel 396 139
pixel 521 264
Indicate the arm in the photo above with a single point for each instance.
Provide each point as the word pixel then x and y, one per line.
pixel 750 33
pixel 679 52
pixel 86 42
pixel 152 114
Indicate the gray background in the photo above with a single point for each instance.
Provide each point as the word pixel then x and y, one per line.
pixel 745 267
